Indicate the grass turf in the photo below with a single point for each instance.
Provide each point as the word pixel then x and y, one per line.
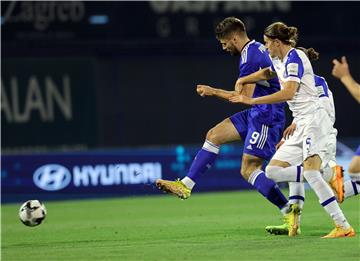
pixel 211 226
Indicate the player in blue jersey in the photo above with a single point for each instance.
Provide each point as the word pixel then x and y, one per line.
pixel 307 145
pixel 260 128
pixel 342 72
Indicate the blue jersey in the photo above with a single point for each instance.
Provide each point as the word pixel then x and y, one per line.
pixel 261 126
pixel 255 57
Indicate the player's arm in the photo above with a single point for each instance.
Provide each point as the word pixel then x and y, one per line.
pixel 261 75
pixel 287 133
pixel 244 89
pixel 352 86
pixel 205 90
pixel 286 94
pixel 342 72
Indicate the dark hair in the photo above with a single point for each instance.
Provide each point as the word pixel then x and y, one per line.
pixel 228 26
pixel 310 53
pixel 286 34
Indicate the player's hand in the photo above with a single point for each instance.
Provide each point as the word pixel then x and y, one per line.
pixel 289 131
pixel 340 69
pixel 241 99
pixel 239 86
pixel 279 144
pixel 204 90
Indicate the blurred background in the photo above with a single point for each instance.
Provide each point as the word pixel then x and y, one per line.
pixel 98 98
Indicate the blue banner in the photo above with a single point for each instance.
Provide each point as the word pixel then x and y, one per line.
pixel 113 173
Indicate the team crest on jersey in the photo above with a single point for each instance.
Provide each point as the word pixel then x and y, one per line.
pixel 292 69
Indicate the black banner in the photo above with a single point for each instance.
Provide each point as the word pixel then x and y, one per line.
pixel 48 102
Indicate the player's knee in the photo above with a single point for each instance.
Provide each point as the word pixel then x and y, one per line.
pixel 249 166
pixel 213 137
pixel 271 172
pixel 246 171
pixel 354 165
pixel 354 169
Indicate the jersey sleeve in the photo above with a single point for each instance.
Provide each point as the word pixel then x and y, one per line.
pixel 322 86
pixel 294 69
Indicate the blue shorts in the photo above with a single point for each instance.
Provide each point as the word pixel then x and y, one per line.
pixel 357 153
pixel 259 138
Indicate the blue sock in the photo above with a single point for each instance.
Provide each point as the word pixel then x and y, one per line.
pixel 268 188
pixel 203 160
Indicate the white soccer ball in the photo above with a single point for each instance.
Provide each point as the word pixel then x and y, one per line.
pixel 32 213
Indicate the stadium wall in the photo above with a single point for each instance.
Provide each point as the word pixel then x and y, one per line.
pixel 127 172
pixel 120 173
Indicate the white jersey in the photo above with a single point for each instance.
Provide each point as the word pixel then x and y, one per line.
pixel 295 66
pixel 325 97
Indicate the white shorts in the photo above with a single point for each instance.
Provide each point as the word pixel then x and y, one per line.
pixel 311 137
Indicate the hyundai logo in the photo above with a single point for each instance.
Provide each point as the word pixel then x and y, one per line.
pixel 52 177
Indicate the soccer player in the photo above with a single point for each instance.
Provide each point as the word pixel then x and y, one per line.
pixel 331 172
pixel 342 72
pixel 259 127
pixel 308 143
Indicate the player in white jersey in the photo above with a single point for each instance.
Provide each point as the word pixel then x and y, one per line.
pixel 307 145
pixel 332 173
pixel 342 72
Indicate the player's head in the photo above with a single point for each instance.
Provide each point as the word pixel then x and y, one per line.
pixel 310 53
pixel 230 32
pixel 278 34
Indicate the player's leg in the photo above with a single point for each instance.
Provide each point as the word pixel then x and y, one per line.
pixel 333 174
pixel 251 171
pixel 285 164
pixel 260 144
pixel 285 167
pixel 297 196
pixel 222 133
pixel 352 187
pixel 326 197
pixel 316 135
pixel 292 217
pixel 331 171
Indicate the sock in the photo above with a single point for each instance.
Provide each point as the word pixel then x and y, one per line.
pixel 297 194
pixel 326 197
pixel 188 182
pixel 327 173
pixel 280 174
pixel 268 189
pixel 352 187
pixel 203 160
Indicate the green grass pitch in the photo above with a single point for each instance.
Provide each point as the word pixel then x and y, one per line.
pixel 208 226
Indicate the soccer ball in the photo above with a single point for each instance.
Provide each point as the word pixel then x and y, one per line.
pixel 32 213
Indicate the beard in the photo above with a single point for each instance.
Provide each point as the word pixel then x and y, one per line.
pixel 233 52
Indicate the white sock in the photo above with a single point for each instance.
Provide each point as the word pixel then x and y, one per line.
pixel 352 187
pixel 188 182
pixel 279 174
pixel 326 197
pixel 297 194
pixel 327 173
pixel 355 177
pixel 286 209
